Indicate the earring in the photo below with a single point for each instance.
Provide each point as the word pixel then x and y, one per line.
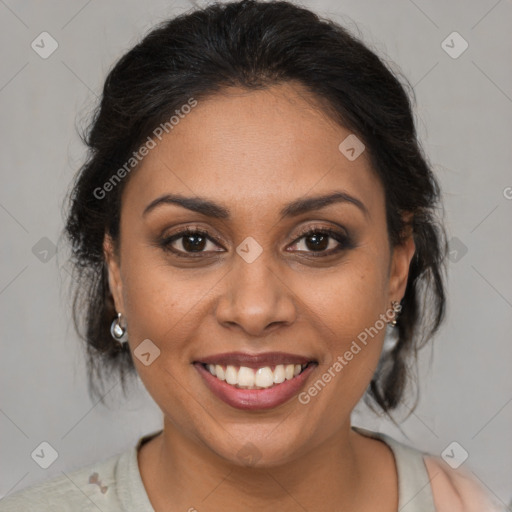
pixel 396 309
pixel 117 331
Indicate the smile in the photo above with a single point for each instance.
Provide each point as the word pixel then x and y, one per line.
pixel 243 377
pixel 255 381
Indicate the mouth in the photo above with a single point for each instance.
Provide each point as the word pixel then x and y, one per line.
pixel 243 377
pixel 253 382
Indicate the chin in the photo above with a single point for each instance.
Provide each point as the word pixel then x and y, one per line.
pixel 257 451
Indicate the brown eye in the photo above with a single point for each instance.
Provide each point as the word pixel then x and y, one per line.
pixel 192 243
pixel 188 241
pixel 317 241
pixel 323 241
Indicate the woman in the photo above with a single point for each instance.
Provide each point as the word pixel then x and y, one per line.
pixel 254 217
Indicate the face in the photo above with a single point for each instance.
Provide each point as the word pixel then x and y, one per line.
pixel 252 281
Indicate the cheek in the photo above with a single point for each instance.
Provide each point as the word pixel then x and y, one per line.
pixel 159 297
pixel 163 305
pixel 350 298
pixel 346 308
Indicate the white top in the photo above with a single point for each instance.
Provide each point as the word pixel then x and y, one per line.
pixel 115 484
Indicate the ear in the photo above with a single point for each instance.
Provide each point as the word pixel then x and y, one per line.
pixel 114 273
pixel 400 262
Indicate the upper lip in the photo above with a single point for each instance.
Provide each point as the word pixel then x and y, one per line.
pixel 255 360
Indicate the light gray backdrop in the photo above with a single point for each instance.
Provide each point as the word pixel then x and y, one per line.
pixel 464 113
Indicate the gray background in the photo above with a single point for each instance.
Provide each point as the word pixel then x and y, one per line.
pixel 464 115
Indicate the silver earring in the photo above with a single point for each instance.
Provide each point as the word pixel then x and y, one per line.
pixel 396 308
pixel 118 331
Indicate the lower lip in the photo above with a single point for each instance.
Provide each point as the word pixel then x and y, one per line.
pixel 254 399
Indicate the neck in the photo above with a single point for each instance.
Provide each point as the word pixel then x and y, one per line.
pixel 180 471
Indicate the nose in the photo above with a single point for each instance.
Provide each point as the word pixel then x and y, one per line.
pixel 256 298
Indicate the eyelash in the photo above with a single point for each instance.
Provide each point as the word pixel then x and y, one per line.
pixel 344 241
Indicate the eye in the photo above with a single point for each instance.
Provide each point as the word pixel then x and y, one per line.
pixel 187 242
pixel 316 241
pixel 322 240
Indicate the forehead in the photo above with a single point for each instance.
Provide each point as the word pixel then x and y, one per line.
pixel 258 148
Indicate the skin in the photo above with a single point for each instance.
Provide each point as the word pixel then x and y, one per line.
pixel 254 152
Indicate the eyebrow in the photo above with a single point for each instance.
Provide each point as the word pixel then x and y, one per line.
pixel 299 206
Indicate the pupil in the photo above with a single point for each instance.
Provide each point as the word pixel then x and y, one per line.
pixel 190 245
pixel 320 240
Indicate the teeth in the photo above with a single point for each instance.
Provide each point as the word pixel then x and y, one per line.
pixel 246 377
pixel 279 374
pixel 264 377
pixel 249 378
pixel 231 375
pixel 219 372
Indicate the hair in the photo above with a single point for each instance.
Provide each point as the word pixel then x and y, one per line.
pixel 254 45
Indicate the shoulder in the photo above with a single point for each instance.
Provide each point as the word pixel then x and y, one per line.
pixel 89 488
pixel 450 490
pixel 456 490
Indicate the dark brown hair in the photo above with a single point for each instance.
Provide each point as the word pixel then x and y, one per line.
pixel 254 44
